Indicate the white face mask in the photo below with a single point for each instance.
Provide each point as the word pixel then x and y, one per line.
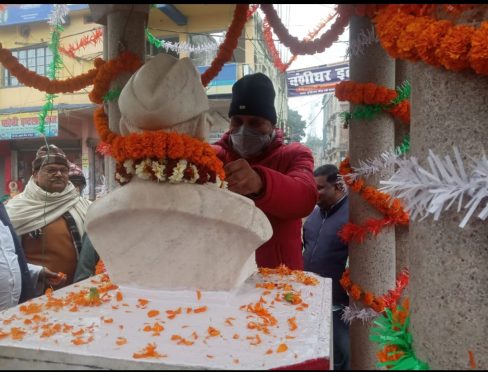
pixel 248 143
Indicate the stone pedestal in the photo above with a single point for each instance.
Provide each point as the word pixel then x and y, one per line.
pixel 217 328
pixel 372 263
pixel 449 294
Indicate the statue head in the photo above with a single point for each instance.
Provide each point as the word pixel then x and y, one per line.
pixel 165 93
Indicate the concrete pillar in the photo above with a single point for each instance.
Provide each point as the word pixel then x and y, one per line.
pixel 183 38
pixel 125 27
pixel 372 263
pixel 402 73
pixel 448 264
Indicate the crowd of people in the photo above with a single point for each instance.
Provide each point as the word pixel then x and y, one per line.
pixel 44 245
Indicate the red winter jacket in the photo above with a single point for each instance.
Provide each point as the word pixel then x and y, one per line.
pixel 290 193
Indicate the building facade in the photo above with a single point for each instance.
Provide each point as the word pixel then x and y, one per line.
pixel 334 136
pixel 24 30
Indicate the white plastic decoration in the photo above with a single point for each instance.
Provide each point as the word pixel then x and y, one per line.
pixel 432 192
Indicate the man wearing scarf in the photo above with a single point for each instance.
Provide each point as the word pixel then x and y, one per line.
pixel 49 217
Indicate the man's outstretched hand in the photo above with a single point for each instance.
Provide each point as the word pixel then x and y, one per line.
pixel 241 178
pixel 54 278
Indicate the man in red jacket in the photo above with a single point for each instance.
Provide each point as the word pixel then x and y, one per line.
pixel 278 177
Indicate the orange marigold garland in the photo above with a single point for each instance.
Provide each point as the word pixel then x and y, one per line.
pixel 376 98
pixel 157 145
pixel 42 83
pixel 230 43
pixel 125 62
pixel 391 208
pixel 378 304
pixel 268 37
pixel 408 33
pixel 391 333
pixel 310 46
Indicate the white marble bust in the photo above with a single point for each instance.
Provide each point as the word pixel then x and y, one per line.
pixel 174 236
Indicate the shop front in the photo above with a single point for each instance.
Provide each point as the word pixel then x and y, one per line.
pixel 69 128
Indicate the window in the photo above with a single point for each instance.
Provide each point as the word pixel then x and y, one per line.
pixel 35 59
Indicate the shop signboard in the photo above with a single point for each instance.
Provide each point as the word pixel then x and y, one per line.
pixel 26 125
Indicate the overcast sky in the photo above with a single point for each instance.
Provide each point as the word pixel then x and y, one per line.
pixel 301 20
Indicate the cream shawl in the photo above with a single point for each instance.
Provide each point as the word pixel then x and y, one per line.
pixel 35 208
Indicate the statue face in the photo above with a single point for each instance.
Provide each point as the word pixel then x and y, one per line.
pixel 52 177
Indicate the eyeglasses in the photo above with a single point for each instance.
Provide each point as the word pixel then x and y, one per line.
pixel 53 171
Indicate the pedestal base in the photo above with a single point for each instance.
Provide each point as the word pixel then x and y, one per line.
pixel 250 328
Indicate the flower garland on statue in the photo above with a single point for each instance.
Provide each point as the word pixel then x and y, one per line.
pixel 377 303
pixel 126 62
pixel 86 40
pixel 310 46
pixel 268 37
pixel 227 48
pixel 376 99
pixel 391 208
pixel 407 35
pixel 161 156
pixel 155 155
pixel 391 332
pixel 42 83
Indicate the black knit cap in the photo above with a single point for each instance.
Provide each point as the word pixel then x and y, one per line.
pixel 254 95
pixel 51 155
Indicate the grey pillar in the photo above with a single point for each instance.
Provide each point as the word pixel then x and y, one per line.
pixel 448 264
pixel 402 73
pixel 372 263
pixel 125 30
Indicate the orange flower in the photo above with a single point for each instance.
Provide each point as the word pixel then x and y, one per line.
pixel 454 48
pixel 409 31
pixel 153 313
pixel 213 332
pixel 478 55
pixel 121 341
pixel 355 292
pixel 368 298
pixel 282 348
pixel 430 39
pixel 200 309
pixel 148 352
pixel 292 323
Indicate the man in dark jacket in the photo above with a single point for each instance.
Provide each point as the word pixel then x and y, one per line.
pixel 258 165
pixel 325 254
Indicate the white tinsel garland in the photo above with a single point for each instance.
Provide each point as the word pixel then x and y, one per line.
pixel 186 47
pixel 353 312
pixel 372 166
pixel 432 192
pixel 364 39
pixel 58 14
